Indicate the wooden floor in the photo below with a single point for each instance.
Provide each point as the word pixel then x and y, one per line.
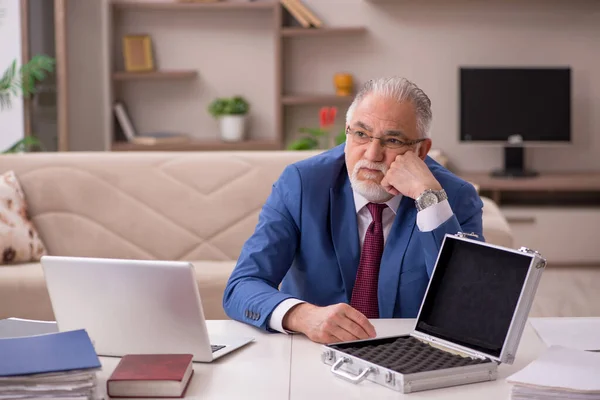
pixel 568 291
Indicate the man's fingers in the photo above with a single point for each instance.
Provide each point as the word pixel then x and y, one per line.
pixel 342 328
pixel 359 319
pixel 350 326
pixel 384 182
pixel 342 334
pixel 353 328
pixel 388 187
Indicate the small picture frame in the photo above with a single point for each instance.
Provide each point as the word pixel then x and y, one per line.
pixel 137 53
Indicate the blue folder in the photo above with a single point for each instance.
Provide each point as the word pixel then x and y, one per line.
pixel 53 352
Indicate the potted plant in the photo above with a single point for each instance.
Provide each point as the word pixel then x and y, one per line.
pixel 231 113
pixel 15 81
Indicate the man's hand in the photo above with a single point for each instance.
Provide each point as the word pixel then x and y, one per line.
pixel 336 323
pixel 409 175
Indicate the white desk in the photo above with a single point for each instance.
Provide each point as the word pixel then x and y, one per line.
pixel 260 370
pixel 312 379
pixel 278 366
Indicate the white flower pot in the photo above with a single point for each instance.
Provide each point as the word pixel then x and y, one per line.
pixel 233 127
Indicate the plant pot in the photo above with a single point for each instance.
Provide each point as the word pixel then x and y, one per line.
pixel 233 127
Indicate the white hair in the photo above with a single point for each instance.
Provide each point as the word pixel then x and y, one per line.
pixel 399 89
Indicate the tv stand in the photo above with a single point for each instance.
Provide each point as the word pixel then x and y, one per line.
pixel 557 214
pixel 514 173
pixel 514 164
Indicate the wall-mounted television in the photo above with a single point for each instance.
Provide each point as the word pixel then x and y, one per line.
pixel 516 106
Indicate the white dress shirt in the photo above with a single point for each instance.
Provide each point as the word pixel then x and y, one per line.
pixel 427 220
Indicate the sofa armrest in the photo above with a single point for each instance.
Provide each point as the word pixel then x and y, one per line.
pixel 495 227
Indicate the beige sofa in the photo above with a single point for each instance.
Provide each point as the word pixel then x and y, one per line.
pixel 198 206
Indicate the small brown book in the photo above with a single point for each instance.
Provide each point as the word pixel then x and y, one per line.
pixel 151 375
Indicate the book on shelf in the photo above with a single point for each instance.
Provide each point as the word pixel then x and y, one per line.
pixel 305 17
pixel 50 366
pixel 132 136
pixel 151 375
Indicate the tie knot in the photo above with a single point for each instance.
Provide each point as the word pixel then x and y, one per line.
pixel 376 211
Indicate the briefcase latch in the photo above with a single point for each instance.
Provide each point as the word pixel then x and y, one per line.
pixel 541 260
pixel 472 235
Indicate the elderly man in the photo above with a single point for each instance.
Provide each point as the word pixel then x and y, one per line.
pixel 353 233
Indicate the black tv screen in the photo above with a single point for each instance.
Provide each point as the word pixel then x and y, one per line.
pixel 496 103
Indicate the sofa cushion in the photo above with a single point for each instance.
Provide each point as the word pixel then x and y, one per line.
pixel 19 239
pixel 495 228
pixel 212 277
pixel 23 292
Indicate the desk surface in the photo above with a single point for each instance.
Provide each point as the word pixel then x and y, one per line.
pixel 278 366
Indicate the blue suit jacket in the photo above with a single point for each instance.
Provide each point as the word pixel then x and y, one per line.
pixel 307 240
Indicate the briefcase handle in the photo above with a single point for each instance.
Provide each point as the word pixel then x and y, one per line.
pixel 356 379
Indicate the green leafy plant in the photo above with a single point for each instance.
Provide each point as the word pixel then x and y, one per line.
pixel 21 82
pixel 236 105
pixel 315 137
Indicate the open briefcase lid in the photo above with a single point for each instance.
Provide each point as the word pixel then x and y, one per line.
pixel 478 298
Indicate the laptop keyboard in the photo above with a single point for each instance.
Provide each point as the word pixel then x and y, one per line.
pixel 216 347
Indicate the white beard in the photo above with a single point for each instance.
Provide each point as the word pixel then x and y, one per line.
pixel 368 188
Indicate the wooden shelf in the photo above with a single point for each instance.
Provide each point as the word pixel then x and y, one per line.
pixel 583 181
pixel 334 31
pixel 155 75
pixel 199 145
pixel 279 30
pixel 182 5
pixel 315 99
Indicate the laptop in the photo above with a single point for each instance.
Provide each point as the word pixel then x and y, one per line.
pixel 134 306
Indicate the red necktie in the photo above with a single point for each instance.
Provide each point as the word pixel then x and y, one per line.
pixel 364 294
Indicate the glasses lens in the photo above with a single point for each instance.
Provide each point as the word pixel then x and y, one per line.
pixel 360 137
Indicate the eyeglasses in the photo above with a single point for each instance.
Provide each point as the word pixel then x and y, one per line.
pixel 391 142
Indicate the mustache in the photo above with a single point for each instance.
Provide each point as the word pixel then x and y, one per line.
pixel 370 165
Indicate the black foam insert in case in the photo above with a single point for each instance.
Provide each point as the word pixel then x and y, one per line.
pixel 406 355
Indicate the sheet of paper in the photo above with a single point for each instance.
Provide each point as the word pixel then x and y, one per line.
pixel 562 368
pixel 18 327
pixel 575 333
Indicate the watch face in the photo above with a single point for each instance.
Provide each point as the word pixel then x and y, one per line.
pixel 428 199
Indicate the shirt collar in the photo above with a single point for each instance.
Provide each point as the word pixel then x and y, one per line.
pixel 360 202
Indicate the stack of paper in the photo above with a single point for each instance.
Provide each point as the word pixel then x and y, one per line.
pixel 50 366
pixel 559 373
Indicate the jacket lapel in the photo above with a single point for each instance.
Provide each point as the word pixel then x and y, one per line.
pixel 344 231
pixel 393 256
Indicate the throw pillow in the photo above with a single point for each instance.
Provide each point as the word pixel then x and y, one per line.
pixel 19 240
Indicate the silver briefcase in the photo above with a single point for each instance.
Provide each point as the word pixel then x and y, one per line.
pixel 471 319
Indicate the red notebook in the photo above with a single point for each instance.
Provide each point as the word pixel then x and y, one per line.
pixel 151 375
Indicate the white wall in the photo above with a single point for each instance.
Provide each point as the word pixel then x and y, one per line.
pixel 11 119
pixel 426 41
